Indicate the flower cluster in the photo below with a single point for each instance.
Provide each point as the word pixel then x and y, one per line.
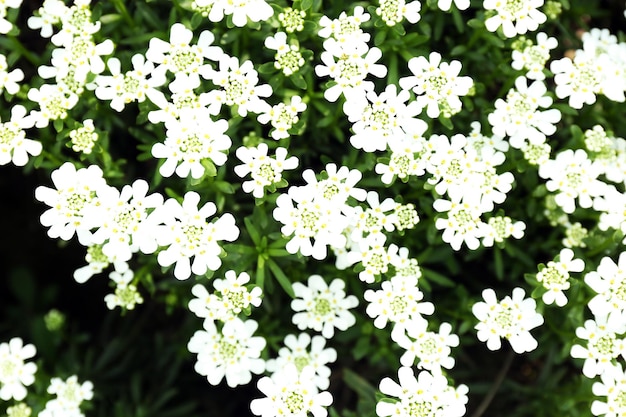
pixel 131 220
pixel 511 318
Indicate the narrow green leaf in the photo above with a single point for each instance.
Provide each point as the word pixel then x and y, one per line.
pixel 364 389
pixel 255 235
pixel 281 277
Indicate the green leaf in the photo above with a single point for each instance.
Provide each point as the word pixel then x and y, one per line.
pixel 267 68
pixel 306 4
pixel 260 272
pixel 255 235
pixel 364 389
pixel 281 277
pixel 298 80
pixel 436 277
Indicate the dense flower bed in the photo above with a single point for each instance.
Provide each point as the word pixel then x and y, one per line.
pixel 382 208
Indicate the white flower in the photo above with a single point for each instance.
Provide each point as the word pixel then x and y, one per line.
pixel 288 57
pixel 573 176
pixel 446 4
pixel 53 104
pixel 520 117
pixel 395 11
pixel 323 307
pixel 20 410
pixel 609 283
pixel 14 145
pixel 533 58
pixel 430 349
pixel 345 29
pixel 75 21
pixel 289 393
pixel 123 229
pixel 373 220
pixel 241 10
pixel 75 192
pixel 437 84
pixel 348 65
pixel 337 187
pixel 499 228
pixel 429 395
pixel 456 168
pixel 239 87
pixel 15 373
pixel 399 301
pixel 304 351
pixel 511 318
pixel 70 393
pixel 126 295
pixel 462 224
pixel 264 170
pixel 133 85
pixel 187 234
pixel 50 13
pixel 208 305
pixel 555 276
pixel 190 141
pixel 515 16
pixel 292 19
pixel 613 207
pixel 232 353
pixel 304 219
pixel 9 79
pixel 603 346
pixel 183 100
pixel 234 295
pixel 581 79
pixel 83 56
pixel 383 119
pixel 282 117
pixel 180 58
pixel 612 385
pixel 97 261
pixel 407 158
pixel 5 25
pixel 84 137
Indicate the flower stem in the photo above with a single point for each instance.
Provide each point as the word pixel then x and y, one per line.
pixel 496 385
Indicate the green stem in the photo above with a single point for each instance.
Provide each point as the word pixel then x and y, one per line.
pixel 496 385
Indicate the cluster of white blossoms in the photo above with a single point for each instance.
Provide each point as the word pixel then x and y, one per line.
pixel 395 11
pixel 76 57
pixel 226 348
pixel 16 373
pixel 603 337
pixel 265 170
pixel 511 318
pixel 598 68
pixel 116 224
pixel 463 172
pixel 347 59
pixel 515 17
pixel 299 375
pixel 288 57
pixel 283 116
pixel 239 11
pixel 5 25
pixel 521 116
pixel 427 395
pixel 533 57
pixel 70 394
pixel 437 84
pixel 555 277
